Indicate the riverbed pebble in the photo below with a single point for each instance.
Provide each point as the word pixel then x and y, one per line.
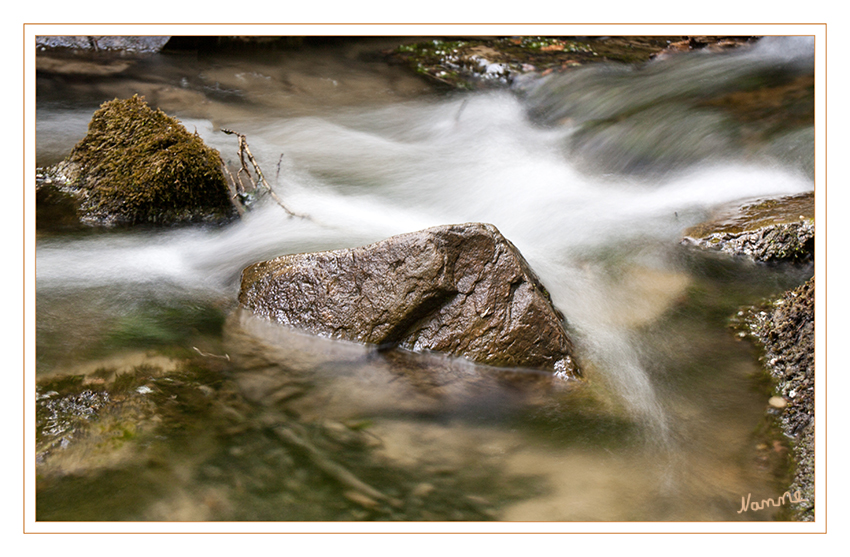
pixel 777 402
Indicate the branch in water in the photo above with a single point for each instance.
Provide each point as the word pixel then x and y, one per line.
pixel 245 151
pixel 277 176
pixel 231 187
pixel 208 355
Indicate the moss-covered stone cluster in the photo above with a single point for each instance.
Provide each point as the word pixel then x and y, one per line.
pixel 138 165
pixel 470 63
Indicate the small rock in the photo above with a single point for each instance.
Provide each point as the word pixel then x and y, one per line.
pixel 777 402
pixel 422 490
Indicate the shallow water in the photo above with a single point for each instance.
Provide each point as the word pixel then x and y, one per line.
pixel 664 430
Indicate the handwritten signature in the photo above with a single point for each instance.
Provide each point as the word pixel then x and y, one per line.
pixel 757 506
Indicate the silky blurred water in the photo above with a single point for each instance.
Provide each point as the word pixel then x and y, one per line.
pixel 593 174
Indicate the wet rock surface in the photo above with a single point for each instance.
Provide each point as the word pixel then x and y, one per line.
pixel 785 328
pixel 463 290
pixel 137 165
pixel 779 229
pixel 97 43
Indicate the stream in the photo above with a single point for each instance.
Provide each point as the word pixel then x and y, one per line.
pixel 593 174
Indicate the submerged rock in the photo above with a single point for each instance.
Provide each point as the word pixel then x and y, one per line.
pixel 137 165
pixel 463 290
pixel 780 229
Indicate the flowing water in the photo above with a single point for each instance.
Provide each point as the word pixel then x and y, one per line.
pixel 593 174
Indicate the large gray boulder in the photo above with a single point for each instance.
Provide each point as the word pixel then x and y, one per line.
pixel 463 290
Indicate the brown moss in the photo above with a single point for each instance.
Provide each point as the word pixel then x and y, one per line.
pixel 138 165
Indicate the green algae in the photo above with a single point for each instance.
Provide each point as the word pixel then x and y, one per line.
pixel 138 165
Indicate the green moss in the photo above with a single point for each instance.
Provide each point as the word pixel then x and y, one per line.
pixel 138 165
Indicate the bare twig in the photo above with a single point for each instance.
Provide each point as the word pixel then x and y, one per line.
pixel 277 175
pixel 241 186
pixel 243 151
pixel 460 110
pixel 432 76
pixel 231 187
pixel 208 355
pixel 243 145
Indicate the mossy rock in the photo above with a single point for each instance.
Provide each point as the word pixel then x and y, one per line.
pixel 138 165
pixel 477 62
pixel 770 230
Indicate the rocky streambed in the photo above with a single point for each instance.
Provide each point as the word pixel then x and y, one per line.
pixel 778 231
pixel 785 329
